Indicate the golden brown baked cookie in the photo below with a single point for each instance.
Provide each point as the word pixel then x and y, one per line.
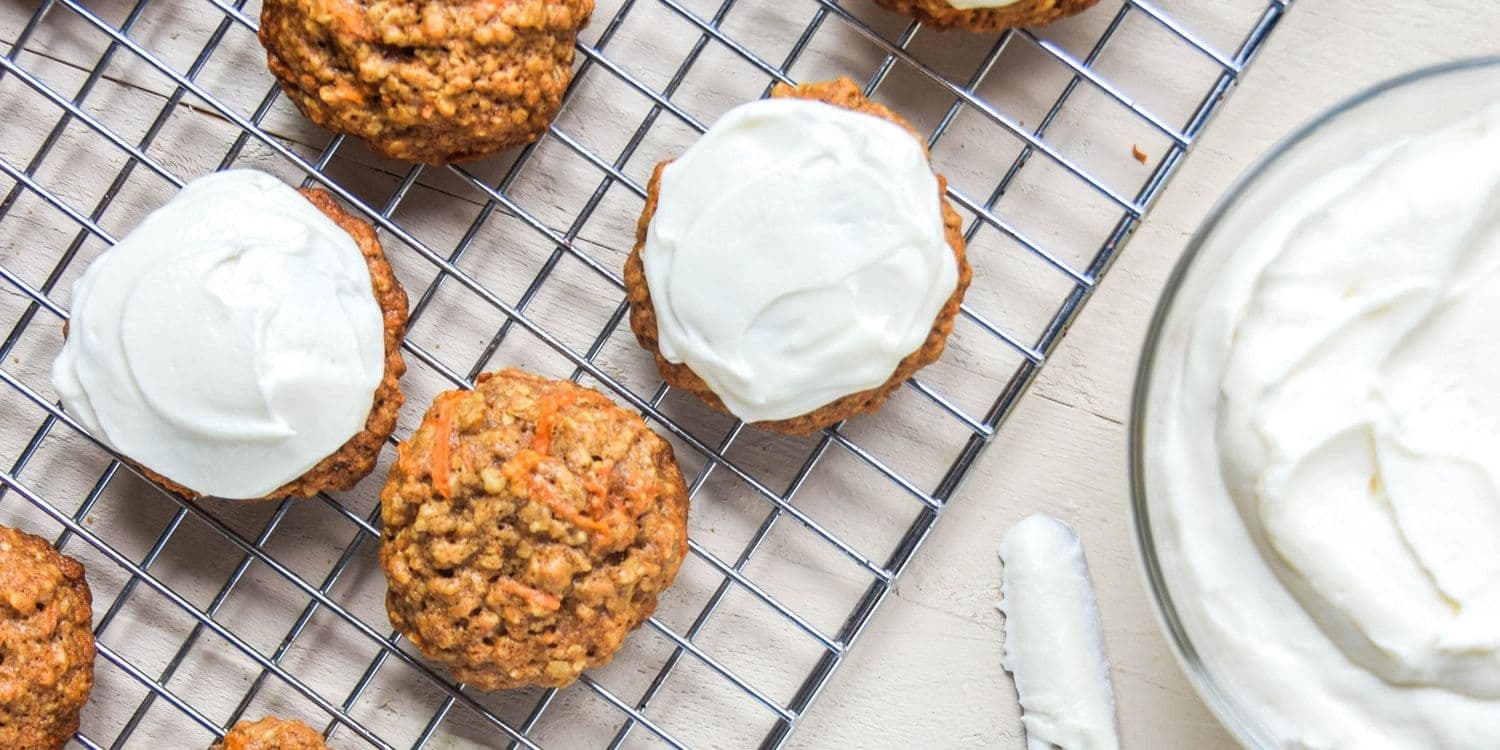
pixel 46 643
pixel 271 733
pixel 841 93
pixel 940 15
pixel 434 81
pixel 529 525
pixel 356 458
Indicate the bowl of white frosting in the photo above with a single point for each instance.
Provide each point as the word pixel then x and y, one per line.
pixel 1315 440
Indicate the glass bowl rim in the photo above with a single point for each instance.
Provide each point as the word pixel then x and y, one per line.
pixel 1188 660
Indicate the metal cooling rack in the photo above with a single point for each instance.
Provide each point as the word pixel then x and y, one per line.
pixel 209 611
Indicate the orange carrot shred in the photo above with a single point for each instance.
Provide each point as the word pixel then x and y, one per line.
pixel 597 486
pixel 566 512
pixel 546 420
pixel 534 595
pixel 442 458
pixel 523 468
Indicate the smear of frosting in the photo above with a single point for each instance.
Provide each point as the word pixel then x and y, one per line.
pixel 1054 645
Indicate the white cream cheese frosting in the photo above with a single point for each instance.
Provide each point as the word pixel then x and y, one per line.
pixel 1054 645
pixel 797 255
pixel 1335 545
pixel 230 342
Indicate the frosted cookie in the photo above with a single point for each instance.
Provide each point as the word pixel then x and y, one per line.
pixel 243 342
pixel 799 262
pixel 986 15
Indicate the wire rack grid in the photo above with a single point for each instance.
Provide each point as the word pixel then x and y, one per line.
pixel 209 612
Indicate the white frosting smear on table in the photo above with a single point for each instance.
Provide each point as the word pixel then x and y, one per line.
pixel 1054 647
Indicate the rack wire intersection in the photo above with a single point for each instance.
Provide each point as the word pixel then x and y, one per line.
pixel 209 612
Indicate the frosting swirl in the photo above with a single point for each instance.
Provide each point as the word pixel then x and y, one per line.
pixel 230 342
pixel 797 255
pixel 1358 433
pixel 1322 446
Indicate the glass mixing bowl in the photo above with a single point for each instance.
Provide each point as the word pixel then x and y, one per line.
pixel 1415 103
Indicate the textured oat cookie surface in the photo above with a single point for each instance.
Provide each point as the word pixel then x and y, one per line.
pixel 356 458
pixel 940 15
pixel 434 81
pixel 46 643
pixel 271 733
pixel 841 93
pixel 529 525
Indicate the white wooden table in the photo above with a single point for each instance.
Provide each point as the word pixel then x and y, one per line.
pixel 938 642
pixel 927 673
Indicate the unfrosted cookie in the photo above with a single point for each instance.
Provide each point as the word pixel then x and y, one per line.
pixel 435 81
pixel 46 643
pixel 271 733
pixel 529 525
pixel 986 15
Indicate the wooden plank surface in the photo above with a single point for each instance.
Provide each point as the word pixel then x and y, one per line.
pixel 927 672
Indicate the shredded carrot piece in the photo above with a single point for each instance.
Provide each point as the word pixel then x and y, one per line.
pixel 597 486
pixel 546 419
pixel 523 468
pixel 566 512
pixel 442 439
pixel 534 595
